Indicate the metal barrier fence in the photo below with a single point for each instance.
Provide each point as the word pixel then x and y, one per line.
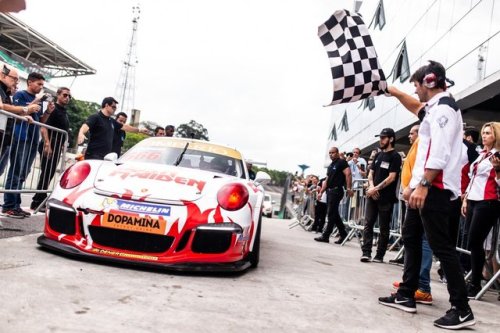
pixel 28 164
pixel 352 210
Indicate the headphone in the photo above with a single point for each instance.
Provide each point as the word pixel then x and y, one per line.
pixel 430 80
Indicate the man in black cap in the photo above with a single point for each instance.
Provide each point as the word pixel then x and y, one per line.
pixel 381 195
pixel 102 128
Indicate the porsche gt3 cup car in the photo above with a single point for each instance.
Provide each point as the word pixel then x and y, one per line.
pixel 168 202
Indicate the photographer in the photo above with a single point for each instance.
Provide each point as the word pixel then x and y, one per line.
pixel 358 168
pixel 52 143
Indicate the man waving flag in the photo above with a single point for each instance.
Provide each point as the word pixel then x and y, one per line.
pixel 355 68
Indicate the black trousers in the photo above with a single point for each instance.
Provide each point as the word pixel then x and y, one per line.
pixel 481 217
pixel 382 210
pixel 48 165
pixel 319 216
pixel 333 198
pixel 434 220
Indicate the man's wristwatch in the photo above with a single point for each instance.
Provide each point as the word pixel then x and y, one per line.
pixel 425 183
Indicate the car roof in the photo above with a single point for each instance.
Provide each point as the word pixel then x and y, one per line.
pixel 199 145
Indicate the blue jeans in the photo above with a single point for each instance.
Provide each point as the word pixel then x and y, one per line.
pixel 31 152
pixel 15 176
pixel 424 283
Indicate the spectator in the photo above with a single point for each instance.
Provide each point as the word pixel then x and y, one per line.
pixel 481 204
pixel 251 173
pixel 320 208
pixel 169 130
pixel 159 131
pixel 381 195
pixel 24 144
pixel 102 130
pixel 435 181
pixel 119 135
pixel 52 144
pixel 338 177
pixel 358 168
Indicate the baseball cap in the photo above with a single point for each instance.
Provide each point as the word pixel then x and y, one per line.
pixel 388 132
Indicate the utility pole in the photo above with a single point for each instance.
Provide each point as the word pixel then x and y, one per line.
pixel 125 88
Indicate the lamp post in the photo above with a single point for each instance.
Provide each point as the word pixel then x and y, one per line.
pixel 303 167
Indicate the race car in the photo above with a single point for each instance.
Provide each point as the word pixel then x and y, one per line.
pixel 174 203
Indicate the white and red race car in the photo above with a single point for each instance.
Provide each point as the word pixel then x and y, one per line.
pixel 181 204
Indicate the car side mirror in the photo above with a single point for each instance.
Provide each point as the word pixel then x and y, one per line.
pixel 262 177
pixel 111 157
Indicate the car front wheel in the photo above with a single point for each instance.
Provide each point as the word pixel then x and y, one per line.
pixel 253 256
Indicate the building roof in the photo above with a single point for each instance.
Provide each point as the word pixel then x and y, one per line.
pixel 28 50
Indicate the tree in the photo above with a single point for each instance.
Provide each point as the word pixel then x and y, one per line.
pixel 131 139
pixel 150 125
pixel 278 178
pixel 78 112
pixel 192 130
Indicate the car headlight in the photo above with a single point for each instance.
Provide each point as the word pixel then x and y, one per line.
pixel 75 175
pixel 232 196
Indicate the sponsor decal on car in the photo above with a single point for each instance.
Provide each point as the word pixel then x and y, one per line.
pixel 125 255
pixel 162 176
pixel 134 207
pixel 119 220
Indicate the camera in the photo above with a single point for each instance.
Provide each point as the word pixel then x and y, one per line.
pixel 47 98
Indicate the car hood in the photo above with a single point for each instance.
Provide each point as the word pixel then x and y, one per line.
pixel 155 182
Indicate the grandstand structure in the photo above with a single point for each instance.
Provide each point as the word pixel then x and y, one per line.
pixel 27 50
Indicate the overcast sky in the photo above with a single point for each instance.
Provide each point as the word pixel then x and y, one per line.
pixel 253 72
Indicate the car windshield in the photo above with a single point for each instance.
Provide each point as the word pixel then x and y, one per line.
pixel 192 158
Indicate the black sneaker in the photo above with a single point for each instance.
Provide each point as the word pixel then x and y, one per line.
pixel 23 212
pixel 472 290
pixel 399 302
pixel 455 319
pixel 399 261
pixel 378 259
pixel 13 214
pixel 322 239
pixel 365 257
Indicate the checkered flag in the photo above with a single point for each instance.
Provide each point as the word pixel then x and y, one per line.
pixel 355 68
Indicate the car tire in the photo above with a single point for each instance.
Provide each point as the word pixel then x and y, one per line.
pixel 253 256
pixel 269 215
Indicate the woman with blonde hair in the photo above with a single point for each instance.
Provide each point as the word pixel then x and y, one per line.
pixel 481 205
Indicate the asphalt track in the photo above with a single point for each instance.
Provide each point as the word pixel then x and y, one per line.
pixel 299 286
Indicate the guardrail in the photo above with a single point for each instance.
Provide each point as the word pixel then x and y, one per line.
pixel 352 210
pixel 26 166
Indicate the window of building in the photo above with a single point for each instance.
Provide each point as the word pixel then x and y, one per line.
pixel 333 133
pixel 344 123
pixel 379 17
pixel 401 68
pixel 369 103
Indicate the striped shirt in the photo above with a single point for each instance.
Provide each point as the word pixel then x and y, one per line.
pixel 483 185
